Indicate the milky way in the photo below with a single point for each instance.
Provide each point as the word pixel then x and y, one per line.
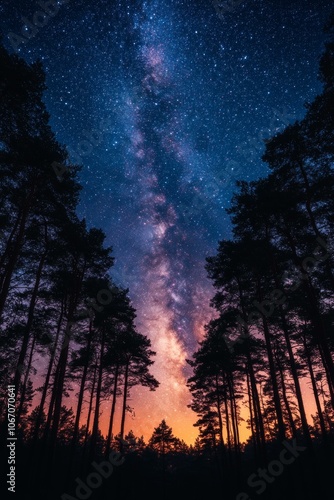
pixel 166 104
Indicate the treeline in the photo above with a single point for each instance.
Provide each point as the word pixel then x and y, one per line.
pixel 68 336
pixel 272 337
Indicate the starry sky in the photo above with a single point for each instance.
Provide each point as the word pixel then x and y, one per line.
pixel 165 104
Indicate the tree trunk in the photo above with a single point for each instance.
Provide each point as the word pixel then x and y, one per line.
pixel 27 330
pixel 294 373
pixel 286 400
pixel 126 379
pixel 97 401
pixel 26 378
pixel 314 388
pixel 293 366
pixel 255 435
pixel 272 370
pixel 228 432
pixel 58 386
pixel 47 381
pixel 257 407
pixel 82 388
pixel 112 412
pixel 220 420
pixel 90 408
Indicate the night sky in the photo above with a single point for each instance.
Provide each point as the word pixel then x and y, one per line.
pixel 165 104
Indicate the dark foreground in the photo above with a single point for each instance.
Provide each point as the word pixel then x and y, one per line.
pixel 291 471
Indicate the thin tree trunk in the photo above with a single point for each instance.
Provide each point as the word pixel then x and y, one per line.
pixel 26 378
pixel 295 377
pixel 220 420
pixel 112 412
pixel 58 386
pixel 272 371
pixel 228 432
pixel 255 435
pixel 314 388
pixel 97 400
pixel 82 388
pixel 293 366
pixel 31 312
pixel 47 382
pixel 233 416
pixel 286 400
pixel 90 408
pixel 126 379
pixel 266 417
pixel 257 406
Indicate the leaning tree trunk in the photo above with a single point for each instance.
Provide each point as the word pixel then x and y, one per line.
pixel 257 407
pixel 31 312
